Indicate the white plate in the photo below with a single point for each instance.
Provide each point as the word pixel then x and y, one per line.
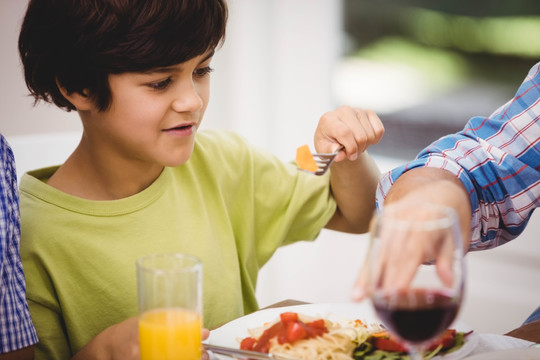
pixel 233 332
pixel 518 354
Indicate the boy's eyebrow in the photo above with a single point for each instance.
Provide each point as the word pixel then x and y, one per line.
pixel 168 69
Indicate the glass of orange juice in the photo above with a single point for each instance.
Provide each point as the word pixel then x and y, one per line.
pixel 170 307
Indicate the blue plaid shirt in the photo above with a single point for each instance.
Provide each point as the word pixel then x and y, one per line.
pixel 16 328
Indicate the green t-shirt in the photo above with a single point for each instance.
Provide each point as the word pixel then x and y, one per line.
pixel 231 205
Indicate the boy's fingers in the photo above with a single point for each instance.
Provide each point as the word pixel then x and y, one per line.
pixel 367 128
pixel 377 126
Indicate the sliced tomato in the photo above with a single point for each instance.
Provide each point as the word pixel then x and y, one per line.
pixel 263 344
pixel 447 340
pixel 319 324
pixel 282 337
pixel 316 328
pixel 387 344
pixel 289 330
pixel 296 331
pixel 247 343
pixel 287 317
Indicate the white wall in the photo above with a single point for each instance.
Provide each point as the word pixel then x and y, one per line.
pixel 18 116
pixel 273 76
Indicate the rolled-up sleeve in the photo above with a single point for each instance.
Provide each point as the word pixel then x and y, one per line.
pixel 498 161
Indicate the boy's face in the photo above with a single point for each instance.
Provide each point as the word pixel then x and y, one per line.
pixel 154 115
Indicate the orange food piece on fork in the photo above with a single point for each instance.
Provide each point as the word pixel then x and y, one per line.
pixel 305 160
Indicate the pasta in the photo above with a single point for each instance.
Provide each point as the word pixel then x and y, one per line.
pixel 304 337
pixel 337 343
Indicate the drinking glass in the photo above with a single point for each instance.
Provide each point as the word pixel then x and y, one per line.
pixel 416 272
pixel 170 307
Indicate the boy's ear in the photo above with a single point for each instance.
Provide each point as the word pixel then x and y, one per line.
pixel 81 100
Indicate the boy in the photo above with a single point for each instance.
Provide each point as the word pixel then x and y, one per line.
pixel 144 179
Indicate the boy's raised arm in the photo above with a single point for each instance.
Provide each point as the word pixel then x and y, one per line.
pixel 354 175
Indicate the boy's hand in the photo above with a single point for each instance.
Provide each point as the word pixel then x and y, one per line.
pixel 119 342
pixel 352 182
pixel 353 128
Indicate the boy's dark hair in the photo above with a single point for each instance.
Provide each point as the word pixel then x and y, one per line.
pixel 80 42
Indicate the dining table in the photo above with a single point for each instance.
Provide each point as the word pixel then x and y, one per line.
pixel 522 337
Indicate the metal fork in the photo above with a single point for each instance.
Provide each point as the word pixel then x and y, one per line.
pixel 243 354
pixel 324 160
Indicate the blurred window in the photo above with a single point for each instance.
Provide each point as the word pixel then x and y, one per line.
pixel 426 66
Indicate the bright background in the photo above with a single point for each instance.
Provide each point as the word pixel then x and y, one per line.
pixel 424 66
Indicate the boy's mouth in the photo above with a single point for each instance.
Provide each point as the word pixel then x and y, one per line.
pixel 183 130
pixel 183 127
pixel 180 127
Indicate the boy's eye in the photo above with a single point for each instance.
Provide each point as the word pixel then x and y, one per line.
pixel 203 71
pixel 160 85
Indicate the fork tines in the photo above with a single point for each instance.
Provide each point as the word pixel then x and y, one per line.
pixel 323 162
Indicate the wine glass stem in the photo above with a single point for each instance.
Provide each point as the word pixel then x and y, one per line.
pixel 416 354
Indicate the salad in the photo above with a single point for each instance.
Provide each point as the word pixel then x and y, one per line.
pixel 383 346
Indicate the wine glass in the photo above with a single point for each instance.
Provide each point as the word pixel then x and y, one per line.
pixel 416 272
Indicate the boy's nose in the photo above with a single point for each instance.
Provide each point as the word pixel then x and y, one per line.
pixel 187 99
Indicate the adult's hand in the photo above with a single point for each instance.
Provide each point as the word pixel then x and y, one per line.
pixel 431 185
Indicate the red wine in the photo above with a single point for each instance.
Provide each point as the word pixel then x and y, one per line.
pixel 416 315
